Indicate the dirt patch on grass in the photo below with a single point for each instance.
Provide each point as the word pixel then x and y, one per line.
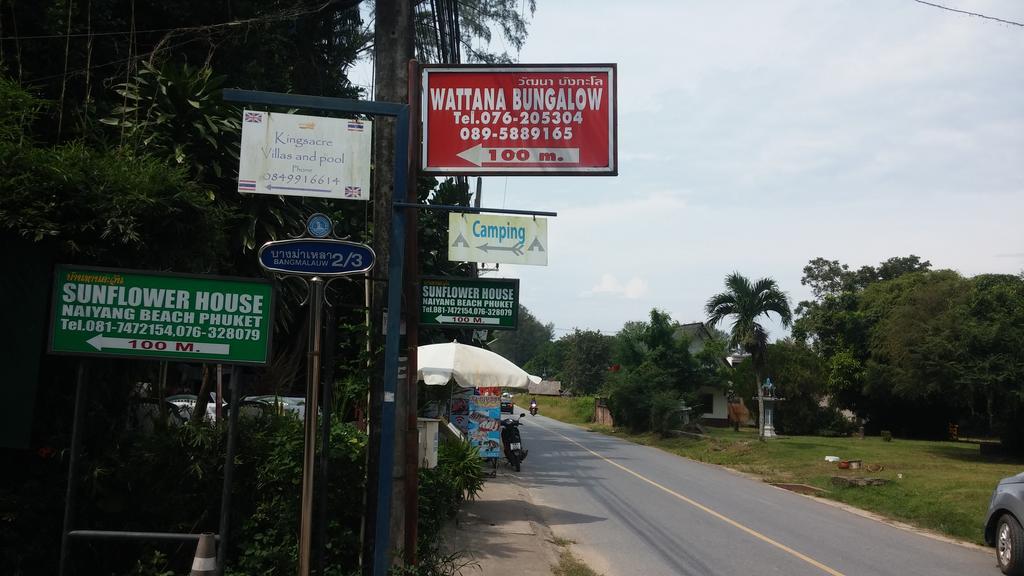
pixel 800 488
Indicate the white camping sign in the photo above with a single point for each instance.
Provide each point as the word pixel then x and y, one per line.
pixel 295 155
pixel 497 238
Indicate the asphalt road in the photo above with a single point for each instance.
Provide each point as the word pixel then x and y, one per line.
pixel 636 510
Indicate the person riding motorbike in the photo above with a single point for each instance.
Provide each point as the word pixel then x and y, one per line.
pixel 533 406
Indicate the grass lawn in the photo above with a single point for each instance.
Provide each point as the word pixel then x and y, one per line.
pixel 941 486
pixel 576 410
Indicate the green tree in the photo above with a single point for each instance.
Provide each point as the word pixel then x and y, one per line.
pixel 548 360
pixel 989 353
pixel 800 376
pixel 657 374
pixel 839 328
pixel 101 206
pixel 446 30
pixel 746 303
pixel 900 319
pixel 526 341
pixel 585 361
pixel 630 346
pixel 830 320
pixel 911 349
pixel 946 349
pixel 303 47
pixel 176 111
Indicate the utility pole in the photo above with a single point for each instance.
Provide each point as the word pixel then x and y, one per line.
pixel 394 48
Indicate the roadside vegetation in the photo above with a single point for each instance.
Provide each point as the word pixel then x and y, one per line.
pixel 568 563
pixel 571 409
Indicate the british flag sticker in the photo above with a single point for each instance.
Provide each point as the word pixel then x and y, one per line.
pixel 353 192
pixel 254 117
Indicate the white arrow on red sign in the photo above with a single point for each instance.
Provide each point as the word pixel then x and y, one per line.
pixel 479 156
pixel 101 342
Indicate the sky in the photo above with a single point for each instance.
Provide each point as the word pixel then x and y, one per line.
pixel 757 135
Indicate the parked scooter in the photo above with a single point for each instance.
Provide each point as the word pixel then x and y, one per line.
pixel 533 407
pixel 512 442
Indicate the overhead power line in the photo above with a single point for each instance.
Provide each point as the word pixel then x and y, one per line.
pixel 288 14
pixel 941 7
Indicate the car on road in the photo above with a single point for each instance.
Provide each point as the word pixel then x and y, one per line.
pixel 506 402
pixel 1003 524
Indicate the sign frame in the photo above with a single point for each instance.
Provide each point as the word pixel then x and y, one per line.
pixel 612 136
pixel 429 319
pixel 55 302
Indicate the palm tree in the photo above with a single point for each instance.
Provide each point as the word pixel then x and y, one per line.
pixel 746 303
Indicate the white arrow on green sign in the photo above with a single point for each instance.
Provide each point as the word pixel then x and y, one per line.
pixel 122 313
pixel 492 303
pixel 461 320
pixel 101 342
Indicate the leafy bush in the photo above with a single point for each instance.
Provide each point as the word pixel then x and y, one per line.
pixel 20 109
pixel 657 372
pixel 648 397
pixel 271 466
pixel 834 423
pixel 665 411
pixel 176 112
pixel 459 475
pixel 629 403
pixel 171 480
pixel 109 207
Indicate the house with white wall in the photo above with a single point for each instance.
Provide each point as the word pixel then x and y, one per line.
pixel 708 396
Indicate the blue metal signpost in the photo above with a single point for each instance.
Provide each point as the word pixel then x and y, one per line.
pixel 396 262
pixel 381 562
pixel 315 259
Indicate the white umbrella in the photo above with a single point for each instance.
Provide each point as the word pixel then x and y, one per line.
pixel 469 366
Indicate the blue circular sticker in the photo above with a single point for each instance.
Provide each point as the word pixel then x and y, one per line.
pixel 319 225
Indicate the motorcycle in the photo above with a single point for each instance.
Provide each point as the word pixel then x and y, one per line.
pixel 533 408
pixel 512 442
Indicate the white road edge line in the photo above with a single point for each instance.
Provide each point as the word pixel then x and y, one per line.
pixel 703 508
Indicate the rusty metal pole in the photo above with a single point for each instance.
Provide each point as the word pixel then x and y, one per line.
pixel 70 498
pixel 316 298
pixel 412 325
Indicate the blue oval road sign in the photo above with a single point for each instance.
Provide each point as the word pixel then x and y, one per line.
pixel 316 257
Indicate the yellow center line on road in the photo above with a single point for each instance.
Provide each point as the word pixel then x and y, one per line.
pixel 709 511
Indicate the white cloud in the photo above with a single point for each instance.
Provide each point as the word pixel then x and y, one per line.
pixel 634 288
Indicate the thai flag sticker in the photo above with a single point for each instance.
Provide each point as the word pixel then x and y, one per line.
pixel 256 117
pixel 353 191
pixel 355 126
pixel 246 185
